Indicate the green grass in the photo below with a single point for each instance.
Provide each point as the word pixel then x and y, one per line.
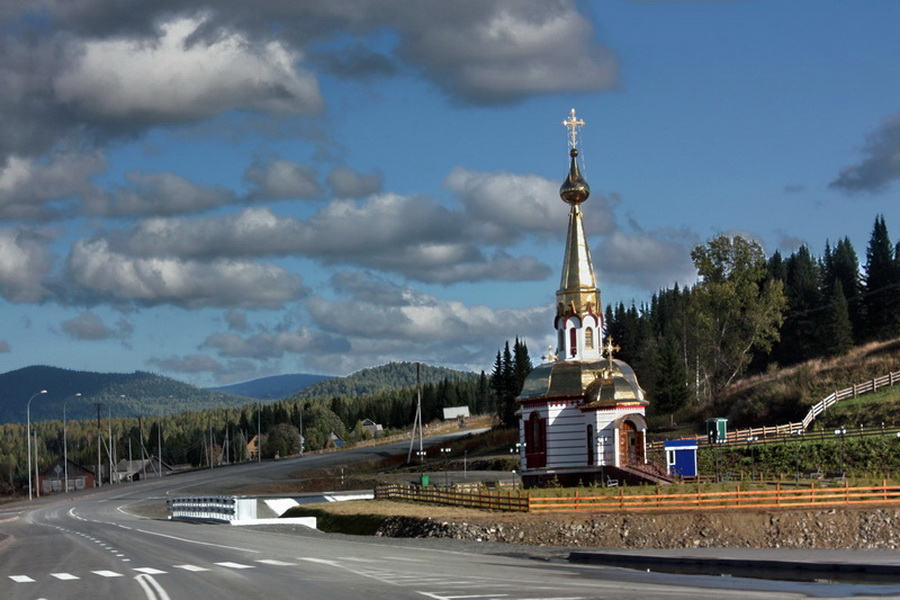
pixel 357 524
pixel 870 409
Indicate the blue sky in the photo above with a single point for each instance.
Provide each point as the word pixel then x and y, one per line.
pixel 216 191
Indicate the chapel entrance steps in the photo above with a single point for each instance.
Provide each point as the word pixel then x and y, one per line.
pixel 636 475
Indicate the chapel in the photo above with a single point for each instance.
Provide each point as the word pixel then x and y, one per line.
pixel 582 412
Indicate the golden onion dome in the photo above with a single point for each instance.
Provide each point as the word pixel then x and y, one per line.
pixel 574 189
pixel 599 383
pixel 617 385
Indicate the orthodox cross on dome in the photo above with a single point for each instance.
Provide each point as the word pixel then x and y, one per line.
pixel 550 356
pixel 574 126
pixel 608 349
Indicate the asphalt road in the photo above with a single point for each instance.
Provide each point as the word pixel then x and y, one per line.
pixel 93 545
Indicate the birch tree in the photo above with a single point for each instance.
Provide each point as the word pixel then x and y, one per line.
pixel 736 308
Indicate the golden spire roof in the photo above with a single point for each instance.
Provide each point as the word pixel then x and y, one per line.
pixel 578 291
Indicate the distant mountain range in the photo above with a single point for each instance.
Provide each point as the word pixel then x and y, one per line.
pixel 272 388
pixel 146 394
pixel 392 376
pixel 122 394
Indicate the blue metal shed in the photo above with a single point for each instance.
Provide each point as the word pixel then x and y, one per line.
pixel 681 457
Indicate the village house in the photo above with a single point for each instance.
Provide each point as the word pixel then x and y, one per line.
pixel 53 479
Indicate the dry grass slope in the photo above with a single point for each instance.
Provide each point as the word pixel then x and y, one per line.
pixel 785 395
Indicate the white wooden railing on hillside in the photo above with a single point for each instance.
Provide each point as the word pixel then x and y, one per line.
pixel 851 392
pixel 761 434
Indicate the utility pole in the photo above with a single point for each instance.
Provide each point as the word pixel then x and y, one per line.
pixel 109 445
pixel 143 449
pixel 159 446
pixel 417 422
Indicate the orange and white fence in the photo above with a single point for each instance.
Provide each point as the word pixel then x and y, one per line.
pixel 779 497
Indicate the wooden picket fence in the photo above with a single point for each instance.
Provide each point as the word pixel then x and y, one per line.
pixel 483 499
pixel 779 497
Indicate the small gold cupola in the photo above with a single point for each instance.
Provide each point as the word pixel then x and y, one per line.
pixel 578 311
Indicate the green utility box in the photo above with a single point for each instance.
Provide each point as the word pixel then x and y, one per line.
pixel 424 480
pixel 717 430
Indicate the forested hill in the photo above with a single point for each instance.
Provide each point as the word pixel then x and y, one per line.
pixel 272 388
pixel 122 394
pixel 146 394
pixel 392 376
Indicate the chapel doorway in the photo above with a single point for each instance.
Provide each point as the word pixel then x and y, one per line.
pixel 631 444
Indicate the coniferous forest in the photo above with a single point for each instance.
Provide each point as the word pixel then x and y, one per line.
pixel 750 313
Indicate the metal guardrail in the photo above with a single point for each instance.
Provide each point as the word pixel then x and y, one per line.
pixel 212 508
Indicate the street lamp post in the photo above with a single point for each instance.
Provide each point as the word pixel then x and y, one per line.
pixel 446 453
pixel 66 443
pixel 603 441
pixel 28 436
pixel 750 440
pixel 841 431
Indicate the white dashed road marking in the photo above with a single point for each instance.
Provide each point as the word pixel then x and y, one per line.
pixel 191 568
pixel 427 587
pixel 276 563
pixel 149 571
pixel 233 565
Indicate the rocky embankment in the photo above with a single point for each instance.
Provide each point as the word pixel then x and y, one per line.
pixel 825 528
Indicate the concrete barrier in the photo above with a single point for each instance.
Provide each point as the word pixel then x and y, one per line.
pixel 212 508
pixel 226 509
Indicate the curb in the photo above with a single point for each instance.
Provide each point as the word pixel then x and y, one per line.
pixel 734 566
pixel 305 521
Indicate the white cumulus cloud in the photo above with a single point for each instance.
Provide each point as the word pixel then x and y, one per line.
pixel 176 77
pixel 99 270
pixel 25 263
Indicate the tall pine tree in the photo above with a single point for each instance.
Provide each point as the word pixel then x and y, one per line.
pixel 842 264
pixel 839 331
pixel 882 285
pixel 671 385
pixel 521 365
pixel 801 334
